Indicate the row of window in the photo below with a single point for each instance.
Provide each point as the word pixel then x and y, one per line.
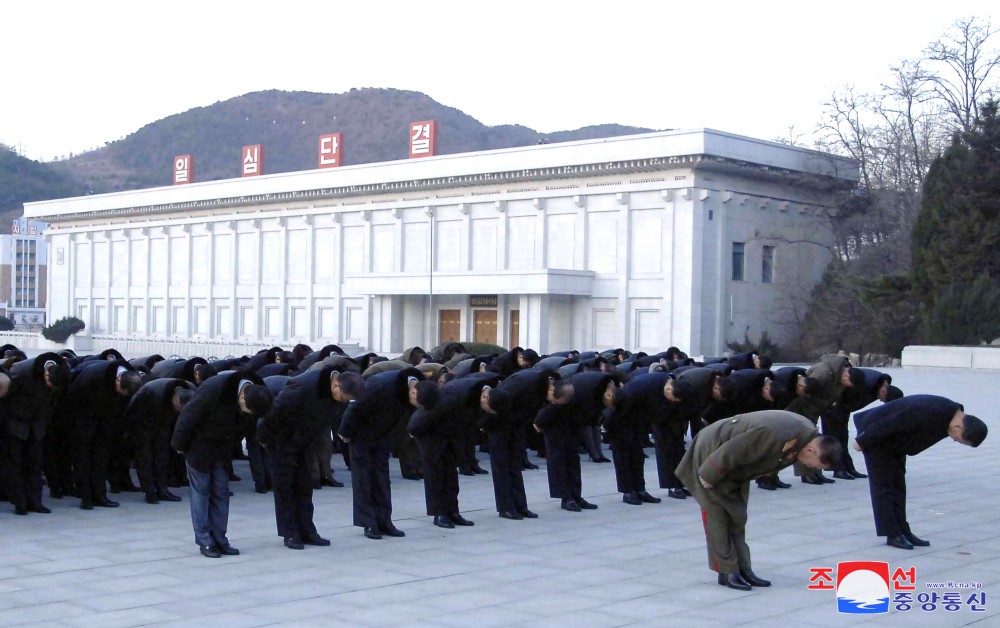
pixel 766 263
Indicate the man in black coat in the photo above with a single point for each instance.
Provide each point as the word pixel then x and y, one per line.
pixel 97 398
pixel 204 433
pixel 572 404
pixel 877 386
pixel 439 432
pixel 31 390
pixel 367 427
pixel 301 412
pixel 891 432
pixel 506 433
pixel 149 421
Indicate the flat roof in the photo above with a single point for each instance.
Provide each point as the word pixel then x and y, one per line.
pixel 648 150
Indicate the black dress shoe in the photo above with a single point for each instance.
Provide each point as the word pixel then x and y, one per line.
pixel 130 488
pixel 417 476
pixel 391 530
pixel 767 485
pixel 478 470
pixel 317 485
pixel 513 516
pixel 809 479
pixel 442 521
pixel 914 540
pixel 649 499
pixel 857 474
pixel 167 496
pixel 20 510
pixel 529 466
pixel 106 503
pixel 334 482
pixel 317 540
pixel 688 493
pixel 294 542
pixel 843 475
pixel 372 533
pixel 603 459
pixel 778 483
pixel 632 498
pixel 466 471
pixel 55 493
pixel 234 478
pixel 585 504
pixel 899 541
pixel 570 505
pixel 86 504
pixel 753 579
pixel 527 514
pixel 42 510
pixel 825 480
pixel 676 493
pixel 734 581
pixel 459 520
pixel 210 551
pixel 151 498
pixel 228 550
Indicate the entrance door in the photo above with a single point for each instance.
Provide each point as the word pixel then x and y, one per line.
pixel 449 326
pixel 486 326
pixel 515 328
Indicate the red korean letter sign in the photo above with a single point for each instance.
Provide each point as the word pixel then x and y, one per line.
pixel 183 169
pixel 422 138
pixel 253 160
pixel 330 150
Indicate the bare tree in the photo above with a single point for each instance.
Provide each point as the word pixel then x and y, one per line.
pixel 966 62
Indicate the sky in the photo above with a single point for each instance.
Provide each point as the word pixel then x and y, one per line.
pixel 75 74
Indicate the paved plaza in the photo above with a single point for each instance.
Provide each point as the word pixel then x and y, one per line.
pixel 616 566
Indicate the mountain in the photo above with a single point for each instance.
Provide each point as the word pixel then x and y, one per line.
pixel 23 180
pixel 373 124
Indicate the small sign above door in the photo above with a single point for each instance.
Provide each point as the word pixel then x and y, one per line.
pixel 483 300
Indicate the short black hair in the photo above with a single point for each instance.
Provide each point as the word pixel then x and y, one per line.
pixel 857 377
pixel 351 384
pixel 183 395
pixel 130 382
pixel 683 390
pixel 258 399
pixel 428 393
pixel 204 371
pixel 974 430
pixel 831 452
pixel 59 376
pixel 893 394
pixel 765 361
pixel 813 387
pixel 561 388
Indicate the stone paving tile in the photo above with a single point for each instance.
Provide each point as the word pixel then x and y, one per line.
pixel 619 565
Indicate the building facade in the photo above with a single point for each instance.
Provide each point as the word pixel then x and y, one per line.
pixel 686 238
pixel 23 273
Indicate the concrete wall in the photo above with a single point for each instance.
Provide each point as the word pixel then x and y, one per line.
pixel 952 357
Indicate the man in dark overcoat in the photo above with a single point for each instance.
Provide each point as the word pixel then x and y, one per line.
pixel 149 422
pixel 888 434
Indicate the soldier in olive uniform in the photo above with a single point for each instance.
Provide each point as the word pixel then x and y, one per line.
pixel 718 468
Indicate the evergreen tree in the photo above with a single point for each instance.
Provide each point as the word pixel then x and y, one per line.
pixel 957 234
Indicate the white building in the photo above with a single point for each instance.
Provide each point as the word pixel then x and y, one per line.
pixel 685 238
pixel 22 273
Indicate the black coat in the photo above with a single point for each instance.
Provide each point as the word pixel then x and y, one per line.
pixel 385 403
pixel 147 361
pixel 528 389
pixel 302 410
pixel 92 398
pixel 588 395
pixel 263 357
pixel 152 408
pixel 640 405
pixel 208 425
pixel 275 368
pixel 701 381
pixel 176 368
pixel 506 364
pixel 905 426
pixel 30 402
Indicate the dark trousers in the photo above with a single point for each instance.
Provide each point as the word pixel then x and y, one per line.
pixel 370 484
pixel 91 463
pixel 152 458
pixel 835 423
pixel 591 437
pixel 119 459
pixel 669 451
pixel 258 464
pixel 210 504
pixel 293 504
pixel 23 468
pixel 887 483
pixel 319 457
pixel 563 465
pixel 58 457
pixel 465 450
pixel 626 453
pixel 506 466
pixel 440 474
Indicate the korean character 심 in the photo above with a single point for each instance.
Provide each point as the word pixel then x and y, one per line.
pixel 900 578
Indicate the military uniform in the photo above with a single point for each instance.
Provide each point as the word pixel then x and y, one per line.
pixel 729 454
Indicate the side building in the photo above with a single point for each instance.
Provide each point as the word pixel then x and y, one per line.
pixel 23 273
pixel 686 238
